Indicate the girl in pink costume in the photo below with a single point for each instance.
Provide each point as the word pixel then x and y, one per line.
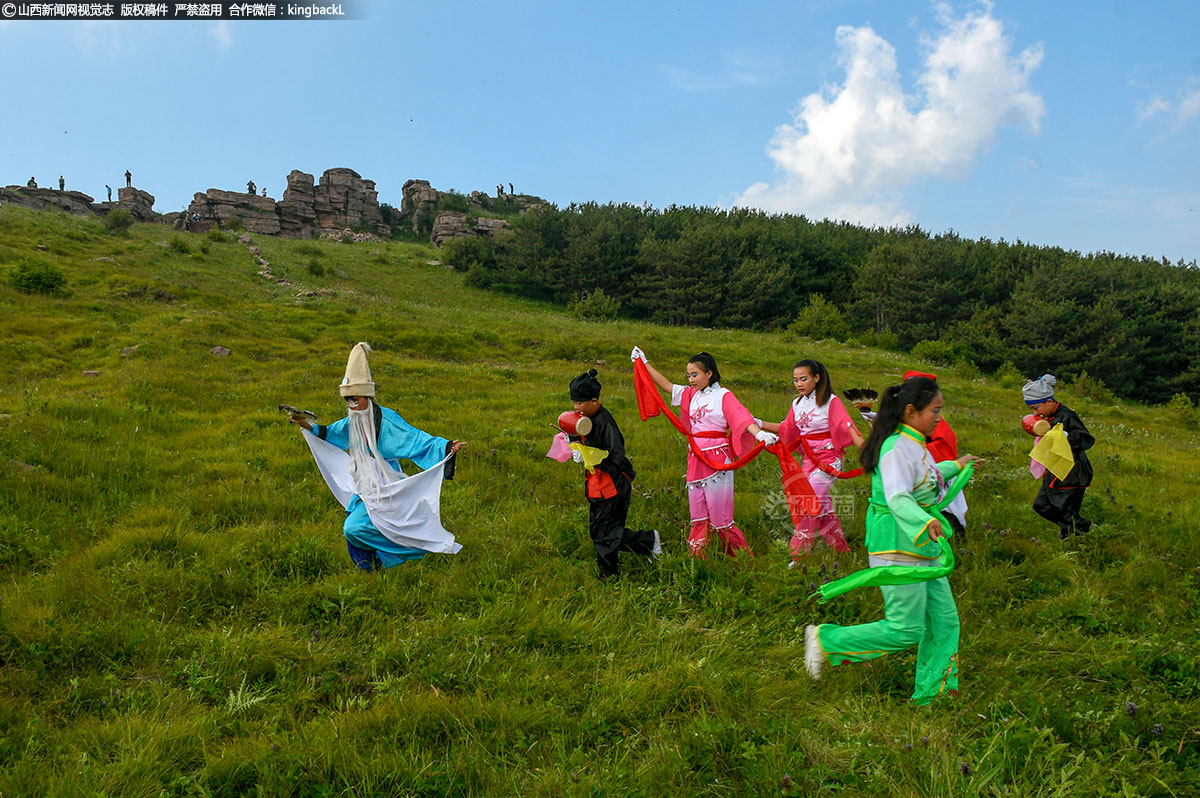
pixel 817 418
pixel 724 430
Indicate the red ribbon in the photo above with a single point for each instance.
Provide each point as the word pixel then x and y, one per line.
pixel 828 469
pixel 801 499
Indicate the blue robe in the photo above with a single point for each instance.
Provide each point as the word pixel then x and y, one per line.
pixel 396 439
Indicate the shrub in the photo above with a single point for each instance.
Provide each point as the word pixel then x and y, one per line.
pixel 941 352
pixel 217 237
pixel 1092 387
pixel 118 221
pixel 204 247
pixel 1009 376
pixel 1182 407
pixel 38 278
pixel 820 319
pixel 315 268
pixel 177 244
pixel 594 305
pixel 234 224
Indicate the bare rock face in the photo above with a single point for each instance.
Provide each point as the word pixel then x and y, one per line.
pixel 140 204
pixel 452 224
pixel 344 199
pixel 296 215
pixel 216 208
pixel 489 227
pixel 420 200
pixel 449 224
pixel 48 199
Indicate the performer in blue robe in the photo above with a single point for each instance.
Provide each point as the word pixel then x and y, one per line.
pixel 377 438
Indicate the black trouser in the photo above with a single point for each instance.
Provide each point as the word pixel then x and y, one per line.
pixel 1060 503
pixel 606 519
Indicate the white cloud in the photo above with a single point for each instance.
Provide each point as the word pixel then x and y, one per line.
pixel 223 33
pixel 851 149
pixel 1152 107
pixel 733 71
pixel 1189 106
pixel 1181 112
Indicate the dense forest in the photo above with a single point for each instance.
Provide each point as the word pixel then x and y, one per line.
pixel 1132 323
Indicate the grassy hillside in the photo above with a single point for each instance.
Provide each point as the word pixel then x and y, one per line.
pixel 178 615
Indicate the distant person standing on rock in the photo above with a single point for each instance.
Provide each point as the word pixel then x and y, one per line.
pixel 62 184
pixel 107 186
pixel 128 179
pixel 32 183
pixel 264 192
pixel 250 189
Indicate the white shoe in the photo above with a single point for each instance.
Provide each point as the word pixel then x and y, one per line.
pixel 656 552
pixel 791 564
pixel 814 658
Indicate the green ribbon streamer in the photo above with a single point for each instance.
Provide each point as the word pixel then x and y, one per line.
pixel 906 574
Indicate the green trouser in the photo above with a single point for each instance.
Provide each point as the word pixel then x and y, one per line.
pixel 921 614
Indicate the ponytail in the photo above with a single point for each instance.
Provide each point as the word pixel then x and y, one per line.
pixel 915 391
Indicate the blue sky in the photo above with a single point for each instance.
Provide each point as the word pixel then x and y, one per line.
pixel 1067 123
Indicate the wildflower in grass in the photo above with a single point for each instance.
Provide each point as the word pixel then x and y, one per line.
pixel 1157 728
pixel 1131 709
pixel 964 768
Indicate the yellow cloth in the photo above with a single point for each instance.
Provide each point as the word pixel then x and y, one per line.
pixel 1054 452
pixel 592 456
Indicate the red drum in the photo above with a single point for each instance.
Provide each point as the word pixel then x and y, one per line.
pixel 574 423
pixel 1035 424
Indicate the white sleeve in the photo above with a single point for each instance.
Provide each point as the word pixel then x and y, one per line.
pixel 676 395
pixel 896 473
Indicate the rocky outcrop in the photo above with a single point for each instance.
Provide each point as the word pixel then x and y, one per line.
pixel 217 208
pixel 419 202
pixel 297 219
pixel 48 199
pixel 140 204
pixel 342 199
pixel 451 224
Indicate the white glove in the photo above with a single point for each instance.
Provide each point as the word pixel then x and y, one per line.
pixel 766 438
pixel 758 421
pixel 636 355
pixel 869 415
pixel 577 455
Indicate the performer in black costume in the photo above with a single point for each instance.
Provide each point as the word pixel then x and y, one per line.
pixel 1059 500
pixel 609 487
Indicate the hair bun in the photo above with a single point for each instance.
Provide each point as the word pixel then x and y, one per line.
pixel 593 373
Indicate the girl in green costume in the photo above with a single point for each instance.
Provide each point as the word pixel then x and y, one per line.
pixel 901 531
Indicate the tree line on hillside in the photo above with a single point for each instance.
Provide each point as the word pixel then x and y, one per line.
pixel 1133 323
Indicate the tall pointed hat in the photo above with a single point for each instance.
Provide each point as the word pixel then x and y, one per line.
pixel 357 381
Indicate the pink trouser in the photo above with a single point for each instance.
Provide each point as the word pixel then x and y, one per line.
pixel 826 524
pixel 711 505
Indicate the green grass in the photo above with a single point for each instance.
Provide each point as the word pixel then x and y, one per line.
pixel 178 615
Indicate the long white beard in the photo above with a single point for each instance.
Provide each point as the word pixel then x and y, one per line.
pixel 367 466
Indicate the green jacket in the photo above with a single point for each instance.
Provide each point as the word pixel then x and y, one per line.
pixel 904 484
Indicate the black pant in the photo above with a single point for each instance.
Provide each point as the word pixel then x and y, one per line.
pixel 606 520
pixel 1060 504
